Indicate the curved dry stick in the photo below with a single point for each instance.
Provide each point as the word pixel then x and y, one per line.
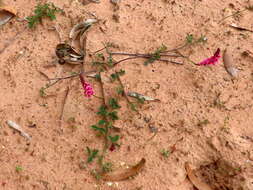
pixel 147 57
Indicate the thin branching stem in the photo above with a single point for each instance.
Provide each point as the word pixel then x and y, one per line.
pixel 237 12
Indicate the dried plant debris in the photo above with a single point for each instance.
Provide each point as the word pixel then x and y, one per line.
pixel 115 2
pixel 67 54
pixel 247 53
pixel 86 2
pixel 228 63
pixel 124 174
pixel 15 126
pixel 80 28
pixel 141 97
pixel 92 74
pixel 240 28
pixel 6 14
pixel 195 181
pixel 95 1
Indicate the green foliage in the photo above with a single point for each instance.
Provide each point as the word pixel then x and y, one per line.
pixel 102 111
pixel 114 139
pixel 133 107
pixel 202 39
pixel 156 55
pixel 113 115
pixel 110 61
pixel 121 72
pixel 107 167
pixel 165 153
pixel 203 123
pixel 92 154
pixel 120 90
pixel 116 75
pixel 47 10
pixel 97 63
pixel 19 169
pixel 100 56
pixel 102 122
pixel 96 174
pixel 98 77
pixel 42 92
pixel 114 103
pixel 189 38
pixel 99 129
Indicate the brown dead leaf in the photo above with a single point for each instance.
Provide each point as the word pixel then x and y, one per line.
pixel 6 14
pixel 228 63
pixel 195 181
pixel 124 174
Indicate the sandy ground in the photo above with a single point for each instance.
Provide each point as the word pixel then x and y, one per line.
pixel 206 113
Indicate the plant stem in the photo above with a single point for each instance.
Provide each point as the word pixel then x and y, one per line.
pixel 141 55
pixel 237 12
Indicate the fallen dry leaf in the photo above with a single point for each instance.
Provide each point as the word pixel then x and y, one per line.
pixel 140 96
pixel 15 126
pixel 124 174
pixel 240 28
pixel 195 181
pixel 228 63
pixel 6 14
pixel 80 28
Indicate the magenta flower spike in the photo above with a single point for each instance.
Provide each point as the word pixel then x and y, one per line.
pixel 211 60
pixel 88 90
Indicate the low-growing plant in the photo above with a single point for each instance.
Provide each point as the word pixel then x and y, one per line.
pixel 47 10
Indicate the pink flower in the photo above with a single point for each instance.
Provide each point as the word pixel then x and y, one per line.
pixel 211 60
pixel 88 90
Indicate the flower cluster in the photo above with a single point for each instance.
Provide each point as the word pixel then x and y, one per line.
pixel 211 60
pixel 88 90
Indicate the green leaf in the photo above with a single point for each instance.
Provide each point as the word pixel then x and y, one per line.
pixel 98 77
pixel 42 92
pixel 102 111
pixel 202 39
pixel 42 11
pixel 189 38
pixel 114 139
pixel 110 61
pixel 100 55
pixel 114 103
pixel 121 72
pixel 113 115
pixel 133 107
pixel 19 169
pixel 100 129
pixel 92 153
pixel 120 90
pixel 107 167
pixel 114 76
pixel 102 122
pixel 165 153
pixel 156 55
